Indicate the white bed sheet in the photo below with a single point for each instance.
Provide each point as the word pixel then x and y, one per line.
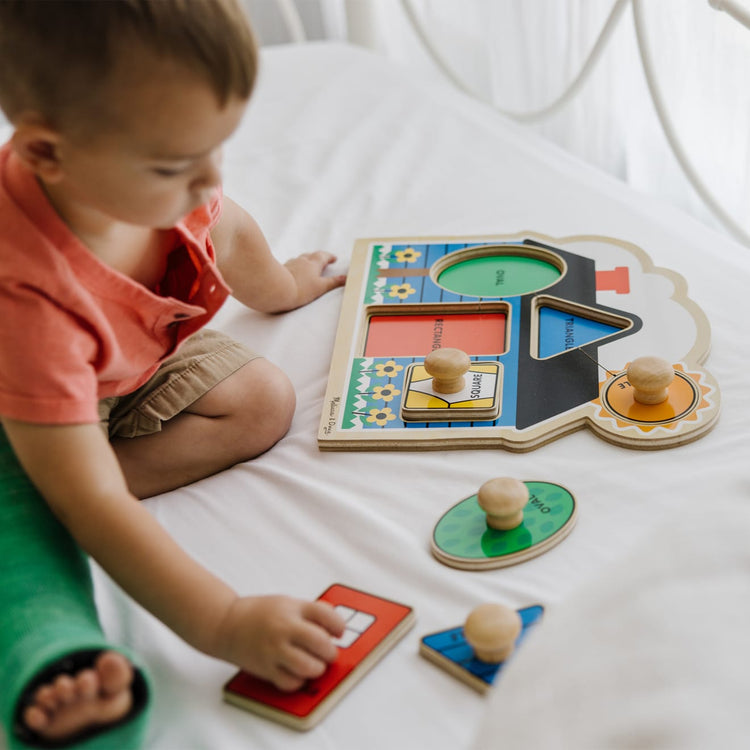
pixel 340 144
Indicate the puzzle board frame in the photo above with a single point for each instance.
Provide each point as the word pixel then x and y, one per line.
pixel 548 391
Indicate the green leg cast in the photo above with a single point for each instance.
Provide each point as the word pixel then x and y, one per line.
pixel 48 619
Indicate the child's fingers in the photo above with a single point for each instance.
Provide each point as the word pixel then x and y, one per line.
pixel 302 664
pixel 286 681
pixel 332 282
pixel 325 615
pixel 307 656
pixel 314 636
pixel 321 258
pixel 315 641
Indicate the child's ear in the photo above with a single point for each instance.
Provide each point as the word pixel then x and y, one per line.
pixel 38 146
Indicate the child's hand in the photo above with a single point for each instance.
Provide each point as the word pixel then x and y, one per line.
pixel 256 277
pixel 283 640
pixel 307 270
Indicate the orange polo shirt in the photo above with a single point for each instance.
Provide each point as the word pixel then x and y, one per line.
pixel 72 329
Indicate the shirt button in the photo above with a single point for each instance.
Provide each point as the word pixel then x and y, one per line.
pixel 212 288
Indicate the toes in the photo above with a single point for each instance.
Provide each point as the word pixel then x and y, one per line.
pixel 46 698
pixel 65 689
pixel 87 685
pixel 115 672
pixel 92 697
pixel 35 718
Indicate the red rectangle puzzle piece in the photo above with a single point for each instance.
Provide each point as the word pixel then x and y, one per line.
pixel 374 625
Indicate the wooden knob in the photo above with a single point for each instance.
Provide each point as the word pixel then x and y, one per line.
pixel 503 500
pixel 491 630
pixel 447 367
pixel 650 378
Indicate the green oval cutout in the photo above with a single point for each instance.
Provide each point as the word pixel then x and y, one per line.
pixel 498 276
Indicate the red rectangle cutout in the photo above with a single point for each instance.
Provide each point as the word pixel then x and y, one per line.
pixel 417 334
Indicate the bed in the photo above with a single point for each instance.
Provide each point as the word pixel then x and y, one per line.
pixel 339 144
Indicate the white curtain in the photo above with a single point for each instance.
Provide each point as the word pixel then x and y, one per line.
pixel 521 54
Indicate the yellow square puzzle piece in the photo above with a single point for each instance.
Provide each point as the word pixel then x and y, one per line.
pixel 478 400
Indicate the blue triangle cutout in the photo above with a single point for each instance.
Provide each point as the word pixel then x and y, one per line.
pixel 560 331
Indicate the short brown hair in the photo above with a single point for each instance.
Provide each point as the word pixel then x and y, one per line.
pixel 55 56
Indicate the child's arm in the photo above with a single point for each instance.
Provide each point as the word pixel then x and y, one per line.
pixel 73 466
pixel 257 279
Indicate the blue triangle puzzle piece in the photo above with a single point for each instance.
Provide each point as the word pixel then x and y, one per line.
pixel 452 646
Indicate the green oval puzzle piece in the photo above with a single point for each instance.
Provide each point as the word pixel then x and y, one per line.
pixel 463 534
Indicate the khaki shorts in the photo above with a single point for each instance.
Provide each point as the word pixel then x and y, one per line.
pixel 203 360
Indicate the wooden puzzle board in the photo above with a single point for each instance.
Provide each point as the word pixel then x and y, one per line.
pixel 561 318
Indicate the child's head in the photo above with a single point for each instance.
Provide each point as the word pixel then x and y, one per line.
pixel 120 107
pixel 60 59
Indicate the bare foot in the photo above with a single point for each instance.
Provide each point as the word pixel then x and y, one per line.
pixel 73 703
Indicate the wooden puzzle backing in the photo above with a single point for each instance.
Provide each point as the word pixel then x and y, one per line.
pixel 550 326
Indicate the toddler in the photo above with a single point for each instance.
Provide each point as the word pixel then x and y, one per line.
pixel 116 249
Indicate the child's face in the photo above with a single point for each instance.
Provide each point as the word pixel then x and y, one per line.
pixel 160 158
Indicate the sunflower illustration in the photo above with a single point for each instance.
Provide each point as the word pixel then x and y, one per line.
pixel 387 369
pixel 402 291
pixel 381 417
pixel 408 255
pixel 385 392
